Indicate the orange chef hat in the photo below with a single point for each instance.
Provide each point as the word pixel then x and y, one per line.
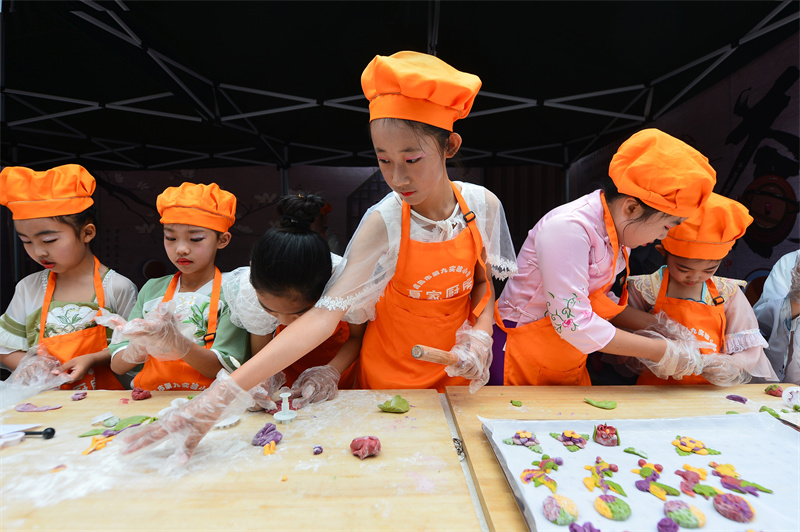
pixel 664 172
pixel 62 190
pixel 201 205
pixel 710 233
pixel 419 87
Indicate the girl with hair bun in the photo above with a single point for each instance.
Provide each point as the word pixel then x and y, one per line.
pixel 290 265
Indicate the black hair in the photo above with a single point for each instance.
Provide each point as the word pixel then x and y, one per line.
pixel 439 135
pixel 292 258
pixel 80 220
pixel 612 194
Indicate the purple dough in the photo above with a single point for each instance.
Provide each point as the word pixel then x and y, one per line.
pixel 77 396
pixel 268 434
pixel 667 525
pixel 318 449
pixel 30 407
pixel 586 527
pixel 737 398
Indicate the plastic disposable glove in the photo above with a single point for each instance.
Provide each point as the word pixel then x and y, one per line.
pixel 34 374
pixel 263 393
pixel 681 358
pixel 724 370
pixel 315 385
pixel 794 288
pixel 136 352
pixel 187 424
pixel 158 333
pixel 671 329
pixel 474 350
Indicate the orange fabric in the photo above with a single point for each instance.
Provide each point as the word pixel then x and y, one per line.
pixel 321 355
pixel 65 347
pixel 62 190
pixel 710 233
pixel 202 205
pixel 707 322
pixel 664 172
pixel 427 300
pixel 537 356
pixel 177 373
pixel 419 87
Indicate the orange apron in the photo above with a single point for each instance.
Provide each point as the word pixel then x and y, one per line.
pixel 177 374
pixel 426 302
pixel 536 355
pixel 705 321
pixel 321 356
pixel 86 341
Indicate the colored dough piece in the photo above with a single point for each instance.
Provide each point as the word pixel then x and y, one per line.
pixel 684 446
pixel 684 514
pixel 524 438
pixel 79 396
pixel 138 394
pixel 605 405
pixel 266 435
pixel 365 446
pixel 612 508
pixel 395 405
pixel 571 439
pixel 598 472
pixel 734 508
pixel 606 435
pixel 737 398
pixel 585 527
pixel 667 525
pixel 560 510
pixel 30 407
pixel 774 389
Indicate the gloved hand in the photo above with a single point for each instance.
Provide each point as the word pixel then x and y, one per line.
pixel 158 334
pixel 136 352
pixel 794 288
pixel 681 358
pixel 315 385
pixel 724 370
pixel 263 393
pixel 37 368
pixel 474 350
pixel 187 424
pixel 671 329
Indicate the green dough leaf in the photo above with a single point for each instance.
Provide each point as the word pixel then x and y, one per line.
pixel 712 451
pixel 573 448
pixel 796 408
pixel 616 487
pixel 686 453
pixel 396 405
pixel 669 489
pixel 731 412
pixel 769 411
pixel 637 452
pixel 508 441
pixel 536 449
pixel 705 491
pixel 516 403
pixel 93 432
pixel 606 405
pixel 133 420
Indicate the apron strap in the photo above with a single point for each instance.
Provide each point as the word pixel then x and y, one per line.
pixel 469 217
pixel 213 306
pixel 99 294
pixel 614 240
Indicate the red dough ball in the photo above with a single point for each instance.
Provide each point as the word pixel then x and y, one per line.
pixel 138 394
pixel 365 446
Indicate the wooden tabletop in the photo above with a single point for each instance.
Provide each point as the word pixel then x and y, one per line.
pixel 416 483
pixel 566 402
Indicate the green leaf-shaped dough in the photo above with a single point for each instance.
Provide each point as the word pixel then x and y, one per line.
pixel 606 405
pixel 128 421
pixel 93 432
pixel 396 405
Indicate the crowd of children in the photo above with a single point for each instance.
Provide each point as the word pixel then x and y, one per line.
pixel 418 270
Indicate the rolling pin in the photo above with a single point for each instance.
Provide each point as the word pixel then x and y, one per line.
pixel 431 354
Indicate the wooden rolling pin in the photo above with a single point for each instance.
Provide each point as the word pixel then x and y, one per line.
pixel 431 354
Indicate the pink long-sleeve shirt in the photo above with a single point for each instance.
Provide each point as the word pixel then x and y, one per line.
pixel 566 257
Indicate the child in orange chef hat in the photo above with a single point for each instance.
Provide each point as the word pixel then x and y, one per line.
pixel 714 308
pixel 54 217
pixel 185 348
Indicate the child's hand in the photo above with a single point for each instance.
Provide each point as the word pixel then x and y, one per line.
pixel 724 370
pixel 36 369
pixel 474 350
pixel 187 424
pixel 76 368
pixel 159 334
pixel 315 385
pixel 681 358
pixel 264 392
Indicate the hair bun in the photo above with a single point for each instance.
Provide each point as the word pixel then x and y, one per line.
pixel 300 210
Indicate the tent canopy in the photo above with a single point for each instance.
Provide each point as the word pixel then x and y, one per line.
pixel 161 85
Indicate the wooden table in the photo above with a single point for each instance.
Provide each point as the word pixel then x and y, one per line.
pixel 566 402
pixel 416 483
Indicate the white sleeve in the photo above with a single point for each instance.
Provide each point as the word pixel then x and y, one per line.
pixel 369 263
pixel 121 294
pixel 28 296
pixel 246 312
pixel 492 224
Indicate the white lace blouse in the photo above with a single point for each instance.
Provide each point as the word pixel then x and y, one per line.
pixel 371 256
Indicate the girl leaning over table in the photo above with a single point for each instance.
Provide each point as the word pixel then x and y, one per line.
pixel 55 218
pixel 561 306
pixel 417 267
